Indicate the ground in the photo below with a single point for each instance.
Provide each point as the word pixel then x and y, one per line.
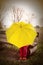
pixel 9 54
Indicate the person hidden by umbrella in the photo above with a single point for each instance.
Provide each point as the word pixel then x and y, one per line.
pixel 26 51
pixel 35 44
pixel 23 52
pixel 32 48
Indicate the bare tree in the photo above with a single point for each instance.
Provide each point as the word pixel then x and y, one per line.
pixel 18 13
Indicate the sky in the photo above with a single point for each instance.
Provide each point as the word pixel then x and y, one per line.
pixel 33 11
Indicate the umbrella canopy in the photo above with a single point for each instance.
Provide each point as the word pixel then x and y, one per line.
pixel 21 34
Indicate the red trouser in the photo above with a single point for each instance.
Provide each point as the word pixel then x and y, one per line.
pixel 23 51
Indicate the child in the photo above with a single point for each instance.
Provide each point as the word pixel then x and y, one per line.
pixel 26 51
pixel 23 53
pixel 32 49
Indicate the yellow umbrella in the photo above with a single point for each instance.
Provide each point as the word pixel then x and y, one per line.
pixel 21 34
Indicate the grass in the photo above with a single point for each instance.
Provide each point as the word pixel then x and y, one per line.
pixel 35 59
pixel 9 55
